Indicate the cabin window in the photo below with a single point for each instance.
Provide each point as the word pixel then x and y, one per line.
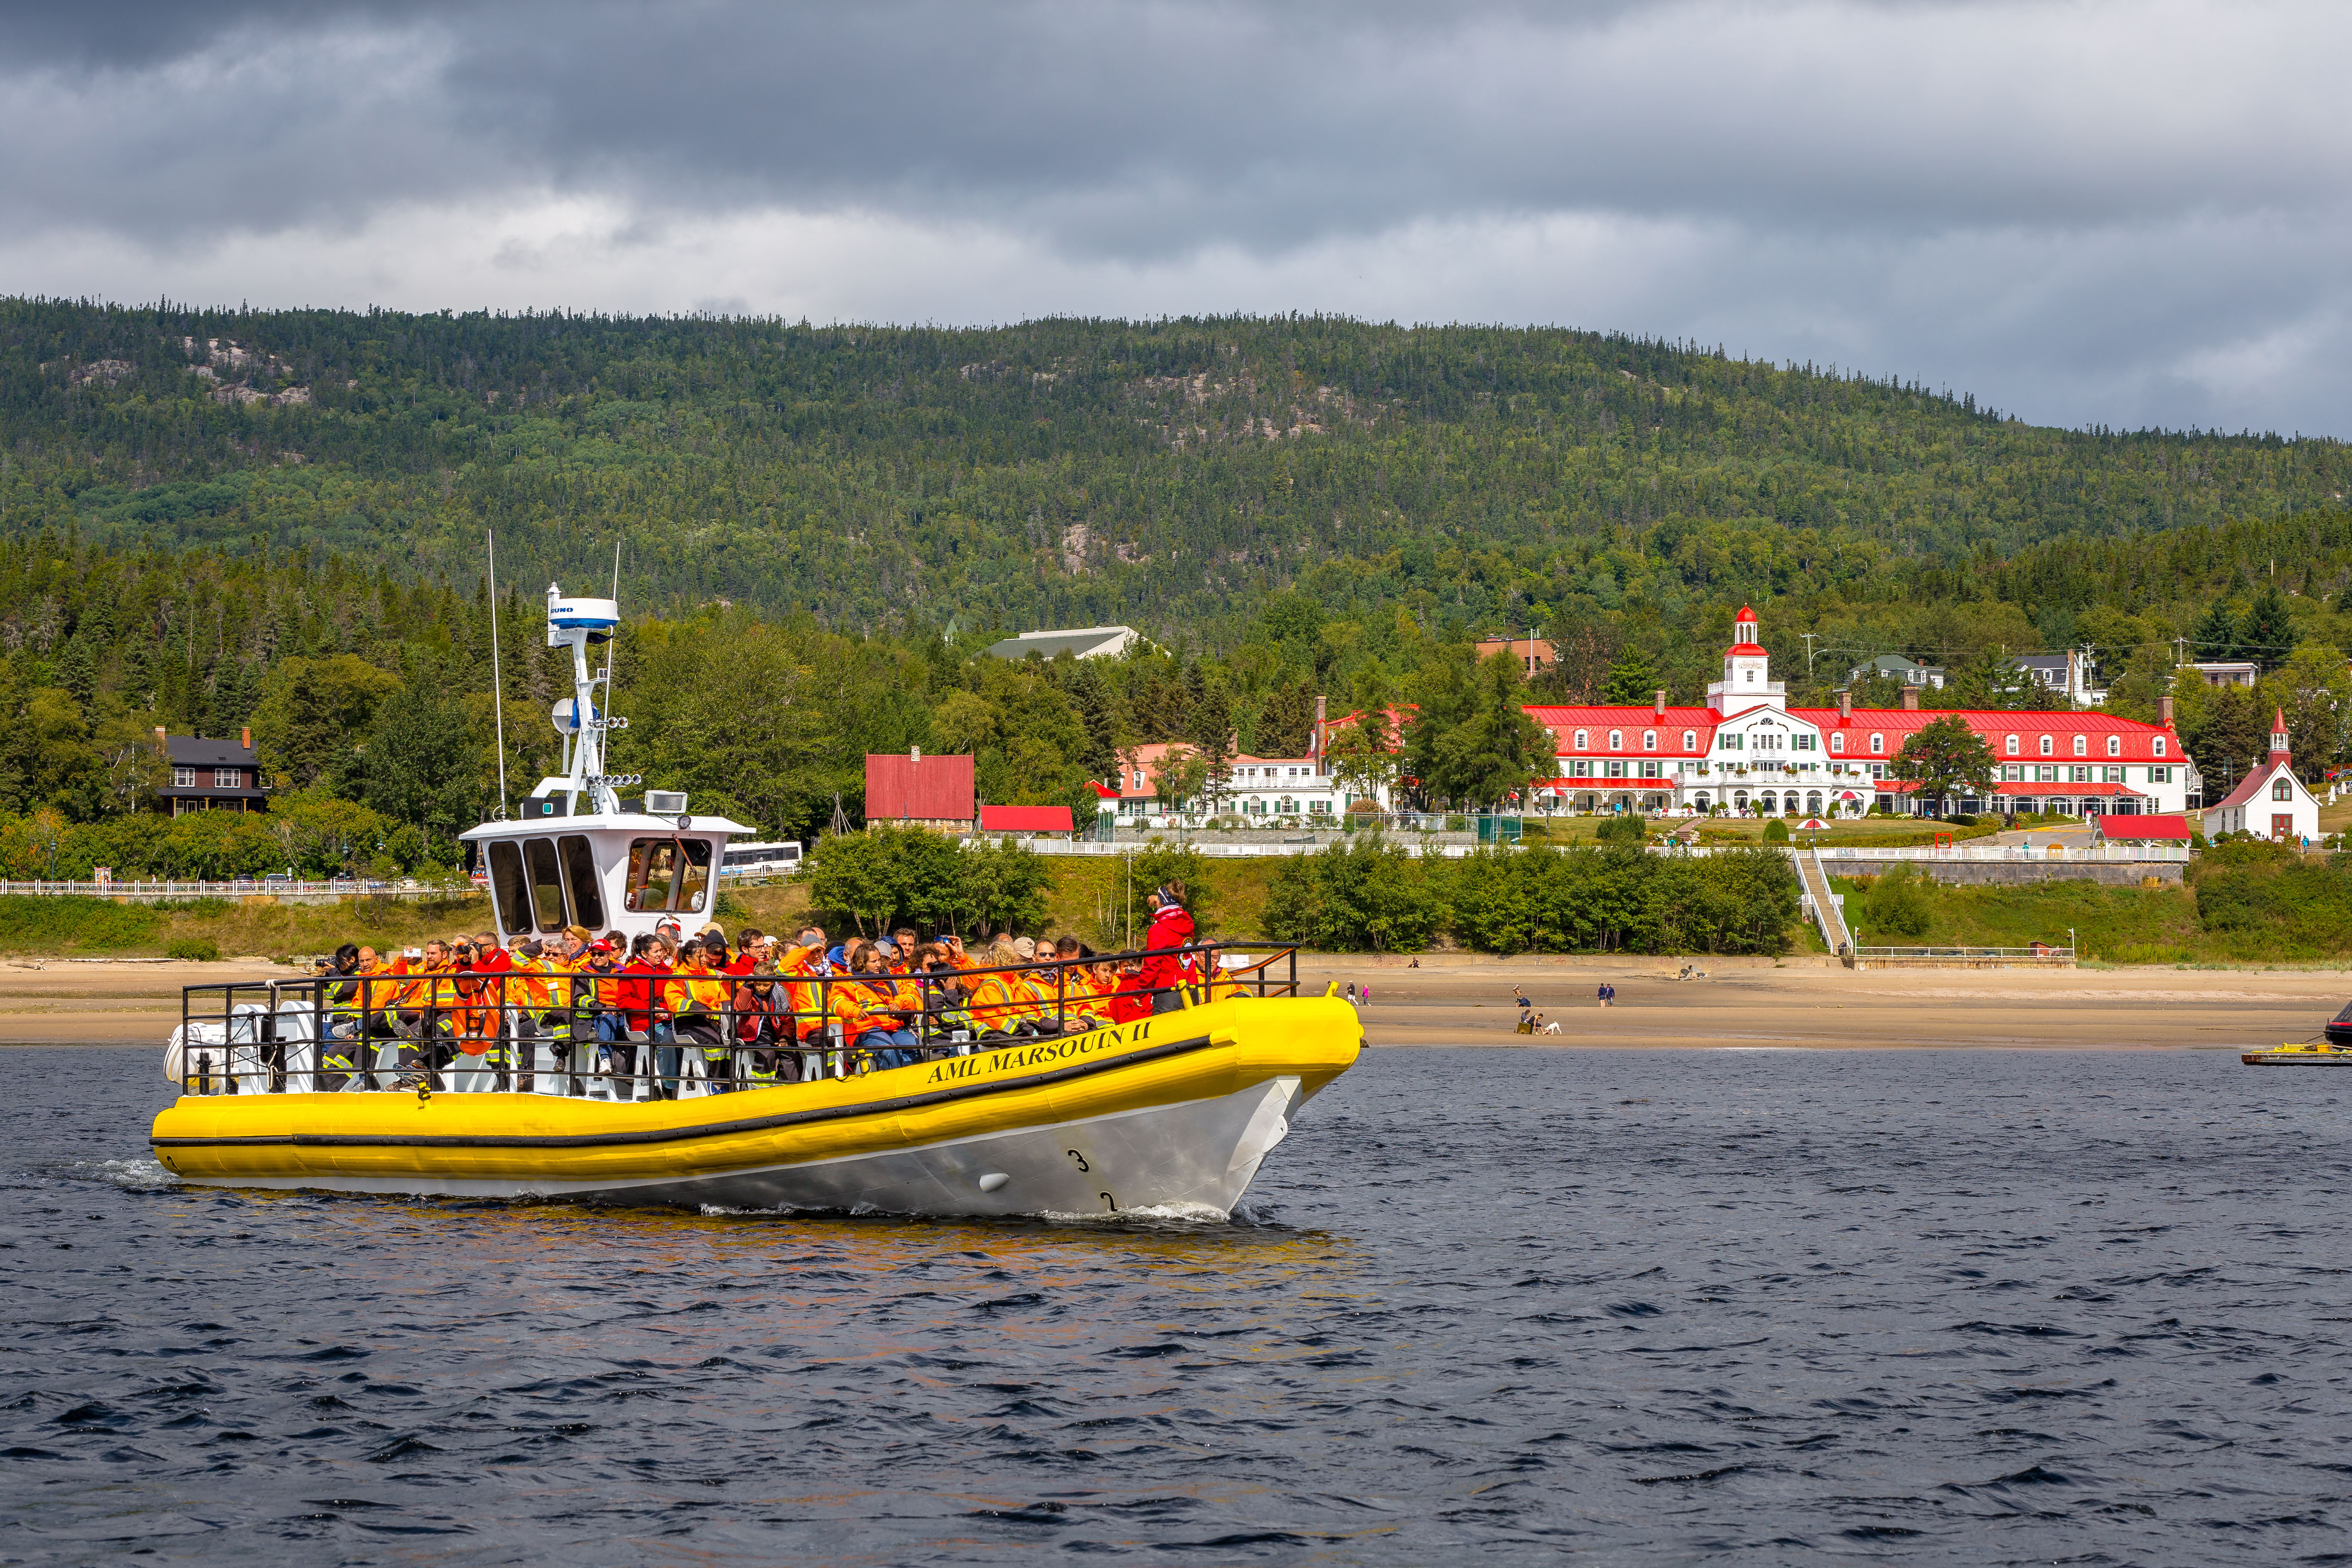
pixel 546 883
pixel 580 875
pixel 510 888
pixel 671 874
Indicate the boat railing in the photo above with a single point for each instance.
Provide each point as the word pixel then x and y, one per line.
pixel 611 1034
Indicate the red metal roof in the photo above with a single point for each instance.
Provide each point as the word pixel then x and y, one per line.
pixel 2251 785
pixel 1024 819
pixel 2155 827
pixel 909 789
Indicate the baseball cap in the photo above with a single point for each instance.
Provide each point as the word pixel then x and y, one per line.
pixel 1026 946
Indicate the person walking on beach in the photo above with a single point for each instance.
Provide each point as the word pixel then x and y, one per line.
pixel 1608 994
pixel 1351 995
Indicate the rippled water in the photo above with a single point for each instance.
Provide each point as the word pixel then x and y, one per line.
pixel 1663 1307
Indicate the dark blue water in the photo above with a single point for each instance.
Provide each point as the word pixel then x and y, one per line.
pixel 1780 1307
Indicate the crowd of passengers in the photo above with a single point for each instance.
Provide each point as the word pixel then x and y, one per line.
pixel 742 1012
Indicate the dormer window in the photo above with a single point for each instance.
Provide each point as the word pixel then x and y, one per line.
pixel 2114 745
pixel 1649 740
pixel 2082 745
pixel 1877 744
pixel 1616 740
pixel 1690 739
pixel 2159 745
pixel 2012 745
pixel 1581 739
pixel 1837 743
pixel 2049 747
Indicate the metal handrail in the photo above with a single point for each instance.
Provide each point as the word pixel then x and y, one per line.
pixel 286 1027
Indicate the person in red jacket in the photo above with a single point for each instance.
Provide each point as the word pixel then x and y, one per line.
pixel 1171 928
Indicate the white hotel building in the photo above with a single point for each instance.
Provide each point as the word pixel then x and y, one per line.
pixel 1748 752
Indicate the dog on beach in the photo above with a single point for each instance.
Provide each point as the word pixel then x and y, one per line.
pixel 1552 1028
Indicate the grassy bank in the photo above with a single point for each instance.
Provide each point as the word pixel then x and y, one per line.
pixel 2126 925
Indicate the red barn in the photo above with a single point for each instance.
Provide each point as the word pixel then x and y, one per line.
pixel 916 790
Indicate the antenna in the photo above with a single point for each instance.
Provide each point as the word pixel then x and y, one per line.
pixel 498 680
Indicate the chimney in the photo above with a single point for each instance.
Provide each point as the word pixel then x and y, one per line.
pixel 1910 699
pixel 1845 704
pixel 2164 710
pixel 1658 704
pixel 245 737
pixel 162 740
pixel 914 754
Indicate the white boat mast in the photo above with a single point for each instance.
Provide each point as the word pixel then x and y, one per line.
pixel 579 625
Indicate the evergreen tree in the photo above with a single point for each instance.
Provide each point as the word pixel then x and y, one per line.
pixel 1630 680
pixel 2217 633
pixel 2267 635
pixel 1286 722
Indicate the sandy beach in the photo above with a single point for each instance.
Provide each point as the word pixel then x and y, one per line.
pixel 1461 1000
pixel 1455 1000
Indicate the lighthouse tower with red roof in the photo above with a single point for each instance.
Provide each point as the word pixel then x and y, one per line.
pixel 1747 672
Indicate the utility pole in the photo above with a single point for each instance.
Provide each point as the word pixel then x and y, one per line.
pixel 1809 637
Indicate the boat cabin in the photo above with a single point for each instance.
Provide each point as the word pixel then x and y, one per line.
pixel 626 873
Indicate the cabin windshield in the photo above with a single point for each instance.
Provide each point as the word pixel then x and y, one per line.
pixel 545 884
pixel 669 874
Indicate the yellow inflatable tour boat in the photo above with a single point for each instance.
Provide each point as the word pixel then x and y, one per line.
pixel 473 1081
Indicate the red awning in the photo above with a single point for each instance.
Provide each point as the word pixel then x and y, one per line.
pixel 1024 819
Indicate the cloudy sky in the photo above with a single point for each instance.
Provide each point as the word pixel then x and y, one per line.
pixel 2114 211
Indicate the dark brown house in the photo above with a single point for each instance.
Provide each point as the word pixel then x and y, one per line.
pixel 209 774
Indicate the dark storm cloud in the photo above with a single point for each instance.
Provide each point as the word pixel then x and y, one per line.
pixel 2142 201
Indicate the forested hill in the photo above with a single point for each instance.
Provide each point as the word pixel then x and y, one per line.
pixel 1167 474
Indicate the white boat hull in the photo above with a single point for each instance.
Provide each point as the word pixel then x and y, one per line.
pixel 1190 1160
